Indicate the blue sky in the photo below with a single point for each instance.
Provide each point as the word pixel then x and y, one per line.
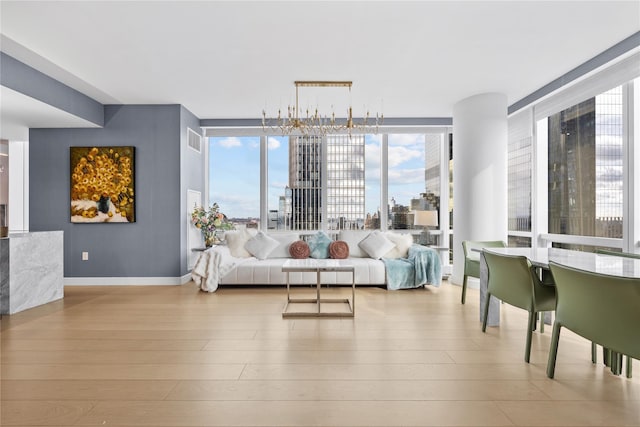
pixel 234 171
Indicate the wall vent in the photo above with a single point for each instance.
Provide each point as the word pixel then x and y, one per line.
pixel 194 140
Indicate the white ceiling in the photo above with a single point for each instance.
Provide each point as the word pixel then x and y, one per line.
pixel 232 59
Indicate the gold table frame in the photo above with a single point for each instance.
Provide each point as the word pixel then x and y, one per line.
pixel 319 266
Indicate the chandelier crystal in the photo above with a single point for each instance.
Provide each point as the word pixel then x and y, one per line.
pixel 311 122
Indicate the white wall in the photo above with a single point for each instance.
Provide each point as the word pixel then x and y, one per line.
pixel 18 185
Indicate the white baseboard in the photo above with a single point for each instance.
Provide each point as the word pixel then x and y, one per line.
pixel 127 281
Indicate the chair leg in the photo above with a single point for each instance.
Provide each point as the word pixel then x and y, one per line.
pixel 553 350
pixel 616 361
pixel 532 325
pixel 464 289
pixel 594 352
pixel 629 364
pixel 619 363
pixel 606 356
pixel 485 312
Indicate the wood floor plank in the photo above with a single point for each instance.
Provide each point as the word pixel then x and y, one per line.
pixel 121 372
pixel 297 414
pixel 86 389
pixel 49 413
pixel 324 390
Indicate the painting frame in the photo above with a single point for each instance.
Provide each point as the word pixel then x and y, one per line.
pixel 102 184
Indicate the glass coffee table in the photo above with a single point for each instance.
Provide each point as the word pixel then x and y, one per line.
pixel 319 266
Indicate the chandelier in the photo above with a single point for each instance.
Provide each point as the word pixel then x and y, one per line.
pixel 312 122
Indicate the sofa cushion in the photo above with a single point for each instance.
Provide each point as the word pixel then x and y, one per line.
pixel 319 245
pixel 252 271
pixel 339 250
pixel 402 242
pixel 261 245
pixel 236 240
pixel 284 242
pixel 376 244
pixel 353 237
pixel 299 249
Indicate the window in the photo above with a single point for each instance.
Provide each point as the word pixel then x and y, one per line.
pixel 330 182
pixel 372 155
pixel 278 184
pixel 238 194
pixel 585 167
pixel 406 174
pixel 520 162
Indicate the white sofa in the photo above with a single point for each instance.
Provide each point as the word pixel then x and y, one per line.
pixel 222 265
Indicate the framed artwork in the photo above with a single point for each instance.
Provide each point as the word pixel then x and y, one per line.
pixel 102 184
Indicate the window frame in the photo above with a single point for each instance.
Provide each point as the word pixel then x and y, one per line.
pixel 443 230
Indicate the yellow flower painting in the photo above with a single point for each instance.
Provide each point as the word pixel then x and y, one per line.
pixel 102 184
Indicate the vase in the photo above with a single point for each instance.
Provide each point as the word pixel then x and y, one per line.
pixel 210 239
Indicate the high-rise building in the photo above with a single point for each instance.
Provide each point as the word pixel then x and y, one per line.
pixel 345 182
pixel 585 168
pixel 345 194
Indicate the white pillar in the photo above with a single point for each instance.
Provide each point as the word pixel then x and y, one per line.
pixel 479 173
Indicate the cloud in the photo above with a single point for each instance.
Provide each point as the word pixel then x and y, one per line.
pixel 238 206
pixel 373 139
pixel 278 185
pixel 230 142
pixel 398 155
pixel 372 157
pixel 406 139
pixel 273 144
pixel 406 176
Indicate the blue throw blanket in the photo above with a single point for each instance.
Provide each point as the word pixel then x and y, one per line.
pixel 421 267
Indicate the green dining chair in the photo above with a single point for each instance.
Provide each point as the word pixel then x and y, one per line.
pixel 610 358
pixel 515 281
pixel 598 307
pixel 472 259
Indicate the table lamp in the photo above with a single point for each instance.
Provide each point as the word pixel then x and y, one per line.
pixel 425 219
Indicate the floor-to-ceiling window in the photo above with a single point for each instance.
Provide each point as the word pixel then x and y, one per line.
pixel 279 183
pixel 234 177
pixel 585 175
pixel 571 169
pixel 520 180
pixel 329 182
pixel 372 175
pixel 406 180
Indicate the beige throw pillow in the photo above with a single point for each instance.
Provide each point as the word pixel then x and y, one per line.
pixel 236 239
pixel 376 244
pixel 402 241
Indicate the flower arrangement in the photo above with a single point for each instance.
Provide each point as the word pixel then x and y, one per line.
pixel 209 221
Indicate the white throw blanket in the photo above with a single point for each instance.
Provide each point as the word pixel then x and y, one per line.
pixel 211 265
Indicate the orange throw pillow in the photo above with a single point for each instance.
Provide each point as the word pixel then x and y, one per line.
pixel 339 249
pixel 299 249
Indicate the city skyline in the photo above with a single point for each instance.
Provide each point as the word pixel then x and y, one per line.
pixel 238 194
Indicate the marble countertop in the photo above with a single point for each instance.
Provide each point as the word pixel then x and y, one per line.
pixel 16 234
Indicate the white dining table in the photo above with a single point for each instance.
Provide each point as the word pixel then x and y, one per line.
pixel 596 263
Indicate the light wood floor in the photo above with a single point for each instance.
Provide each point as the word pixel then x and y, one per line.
pixel 174 356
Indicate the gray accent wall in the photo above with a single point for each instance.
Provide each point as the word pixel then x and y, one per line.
pixel 150 247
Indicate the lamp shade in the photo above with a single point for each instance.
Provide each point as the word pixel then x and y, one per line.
pixel 425 218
